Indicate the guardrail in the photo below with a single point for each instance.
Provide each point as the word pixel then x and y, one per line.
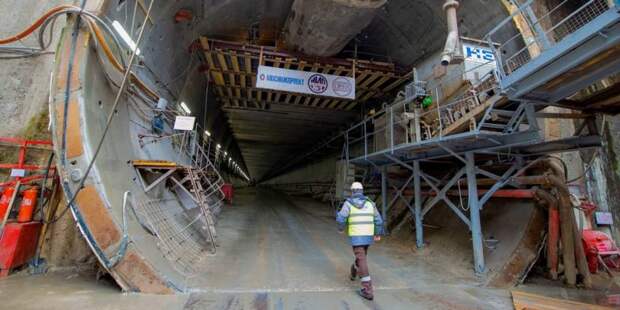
pixel 538 32
pixel 402 123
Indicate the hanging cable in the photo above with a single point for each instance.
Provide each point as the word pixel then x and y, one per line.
pixel 113 110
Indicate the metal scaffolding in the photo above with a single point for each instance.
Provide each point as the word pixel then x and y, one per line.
pixel 488 122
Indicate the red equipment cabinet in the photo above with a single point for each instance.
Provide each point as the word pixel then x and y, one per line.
pixel 18 245
pixel 598 243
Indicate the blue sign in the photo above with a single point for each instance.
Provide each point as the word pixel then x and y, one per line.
pixel 480 54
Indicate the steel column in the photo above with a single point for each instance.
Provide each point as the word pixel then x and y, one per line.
pixel 474 214
pixel 417 196
pixel 384 198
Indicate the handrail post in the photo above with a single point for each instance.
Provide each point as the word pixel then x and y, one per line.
pixel 392 129
pixel 365 142
pixel 439 114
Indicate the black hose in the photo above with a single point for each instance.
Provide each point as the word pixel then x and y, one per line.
pixel 43 184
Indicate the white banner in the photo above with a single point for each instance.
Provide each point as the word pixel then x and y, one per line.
pixel 184 123
pixel 305 82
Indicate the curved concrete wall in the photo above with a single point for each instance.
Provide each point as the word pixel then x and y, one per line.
pixel 81 102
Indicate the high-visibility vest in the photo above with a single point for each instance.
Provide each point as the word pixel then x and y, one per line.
pixel 362 221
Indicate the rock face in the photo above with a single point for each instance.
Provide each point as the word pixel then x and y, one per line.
pixel 324 27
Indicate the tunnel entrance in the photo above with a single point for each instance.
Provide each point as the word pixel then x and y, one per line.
pixel 172 232
pixel 152 209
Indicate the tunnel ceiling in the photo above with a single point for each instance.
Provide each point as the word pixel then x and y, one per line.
pixel 401 32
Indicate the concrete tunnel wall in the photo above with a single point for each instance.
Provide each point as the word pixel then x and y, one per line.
pixel 167 70
pixel 98 212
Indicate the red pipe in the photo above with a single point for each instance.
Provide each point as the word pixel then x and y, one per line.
pixel 552 241
pixel 502 193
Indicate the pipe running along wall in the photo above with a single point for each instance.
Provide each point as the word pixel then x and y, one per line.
pixel 452 51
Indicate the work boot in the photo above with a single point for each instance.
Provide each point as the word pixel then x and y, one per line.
pixel 353 272
pixel 366 290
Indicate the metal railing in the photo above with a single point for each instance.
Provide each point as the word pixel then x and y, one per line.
pixel 538 32
pixel 402 123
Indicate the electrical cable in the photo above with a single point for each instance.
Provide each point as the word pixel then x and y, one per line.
pixel 119 64
pixel 114 107
pixel 43 184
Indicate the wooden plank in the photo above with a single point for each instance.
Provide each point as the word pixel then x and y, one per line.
pixel 224 65
pixel 349 105
pixel 370 79
pixel 298 99
pixel 463 123
pixel 217 76
pixel 234 59
pixel 377 85
pixel 316 101
pixel 397 82
pixel 333 103
pixel 523 301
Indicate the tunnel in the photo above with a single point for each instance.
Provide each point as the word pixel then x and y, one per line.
pixel 147 195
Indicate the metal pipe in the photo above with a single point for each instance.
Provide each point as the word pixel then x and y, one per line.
pixel 566 230
pixel 452 41
pixel 545 198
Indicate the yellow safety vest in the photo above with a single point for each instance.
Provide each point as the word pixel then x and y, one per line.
pixel 362 221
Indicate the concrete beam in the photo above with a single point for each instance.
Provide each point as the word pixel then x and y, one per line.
pixel 324 27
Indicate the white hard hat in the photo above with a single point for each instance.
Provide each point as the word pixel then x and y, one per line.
pixel 357 185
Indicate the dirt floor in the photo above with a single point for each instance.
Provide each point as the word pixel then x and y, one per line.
pixel 276 252
pixel 283 252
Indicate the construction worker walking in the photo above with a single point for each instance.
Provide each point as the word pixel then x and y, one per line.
pixel 360 216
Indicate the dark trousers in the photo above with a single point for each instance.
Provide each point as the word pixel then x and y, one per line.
pixel 360 260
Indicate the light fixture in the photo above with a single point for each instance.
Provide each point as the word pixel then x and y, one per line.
pixel 225 153
pixel 125 36
pixel 185 108
pixel 219 146
pixel 207 133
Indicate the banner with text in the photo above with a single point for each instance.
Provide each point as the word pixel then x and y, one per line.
pixel 305 82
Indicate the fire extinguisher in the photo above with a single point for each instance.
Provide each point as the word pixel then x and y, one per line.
pixel 6 199
pixel 28 204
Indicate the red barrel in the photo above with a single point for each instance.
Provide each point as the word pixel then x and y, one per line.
pixel 28 204
pixel 5 200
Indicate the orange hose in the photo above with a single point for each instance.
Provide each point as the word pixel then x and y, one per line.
pixel 108 52
pixel 98 35
pixel 35 25
pixel 105 46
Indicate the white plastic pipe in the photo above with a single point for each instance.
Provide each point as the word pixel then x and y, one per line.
pixel 452 42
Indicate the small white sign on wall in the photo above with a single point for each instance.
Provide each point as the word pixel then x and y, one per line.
pixel 18 173
pixel 184 123
pixel 603 218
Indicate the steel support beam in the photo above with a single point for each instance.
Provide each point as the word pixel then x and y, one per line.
pixel 474 214
pixel 384 198
pixel 417 196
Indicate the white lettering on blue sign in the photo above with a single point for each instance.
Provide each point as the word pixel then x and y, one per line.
pixel 477 53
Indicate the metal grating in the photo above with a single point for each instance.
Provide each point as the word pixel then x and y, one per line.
pixel 232 69
pixel 540 33
pixel 178 240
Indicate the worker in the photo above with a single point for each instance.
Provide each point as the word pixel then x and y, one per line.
pixel 359 214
